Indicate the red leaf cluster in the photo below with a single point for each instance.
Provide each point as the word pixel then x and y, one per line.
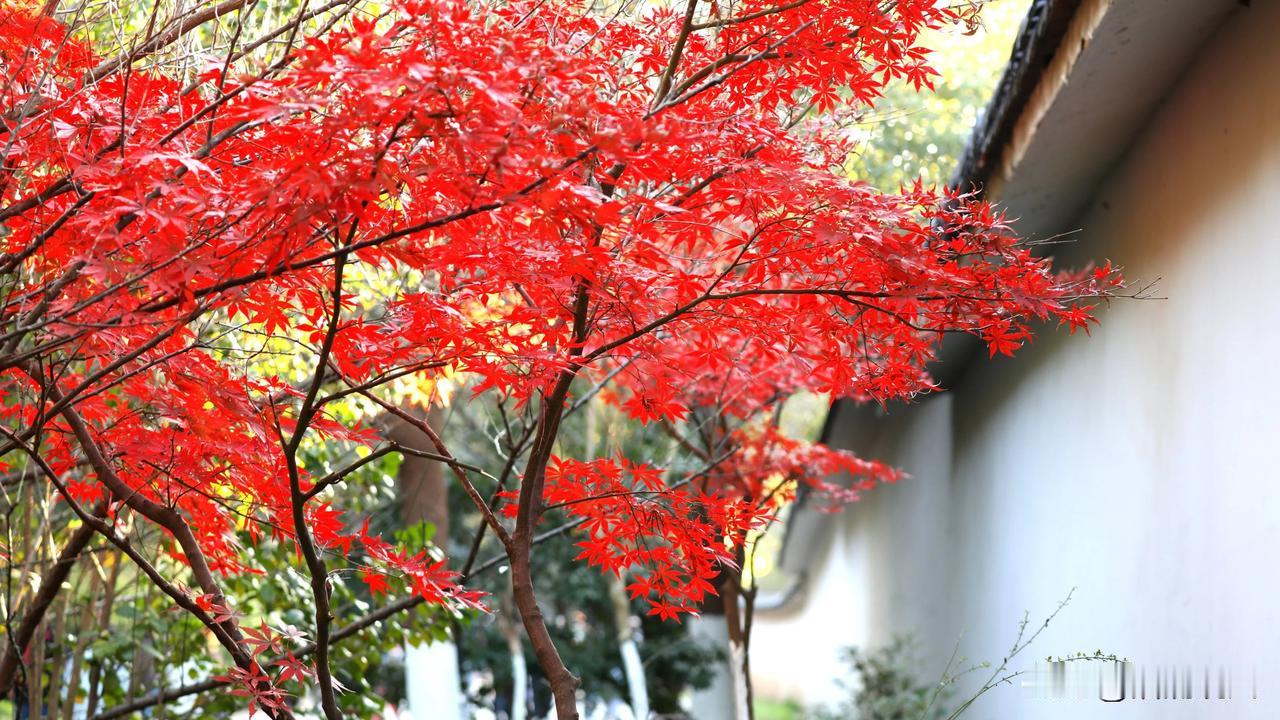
pixel 655 200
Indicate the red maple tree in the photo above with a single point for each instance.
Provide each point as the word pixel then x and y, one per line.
pixel 648 204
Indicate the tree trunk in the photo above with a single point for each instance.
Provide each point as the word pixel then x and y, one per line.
pixel 519 669
pixel 723 619
pixel 739 663
pixel 519 682
pixel 716 701
pixel 564 686
pixel 431 673
pixel 632 667
pixel 432 685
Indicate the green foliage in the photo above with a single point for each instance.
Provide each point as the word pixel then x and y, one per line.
pixel 675 662
pixel 580 610
pixel 365 664
pixel 576 598
pixel 921 134
pixel 777 709
pixel 887 686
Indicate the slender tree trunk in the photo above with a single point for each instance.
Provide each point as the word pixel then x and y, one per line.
pixel 731 695
pixel 50 585
pixel 748 622
pixel 83 632
pixel 519 669
pixel 95 685
pixel 739 663
pixel 35 674
pixel 564 686
pixel 632 667
pixel 104 621
pixel 58 659
pixel 432 676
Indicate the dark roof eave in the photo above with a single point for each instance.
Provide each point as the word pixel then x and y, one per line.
pixel 1041 35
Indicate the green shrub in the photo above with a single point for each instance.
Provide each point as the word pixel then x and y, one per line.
pixel 885 685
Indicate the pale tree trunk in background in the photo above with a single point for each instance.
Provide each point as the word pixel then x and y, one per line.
pixel 632 667
pixel 519 669
pixel 519 682
pixel 432 678
pixel 722 621
pixel 728 697
pixel 58 663
pixel 83 633
pixel 433 686
pixel 738 631
pixel 716 701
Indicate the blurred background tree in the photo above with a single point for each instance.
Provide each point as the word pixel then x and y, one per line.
pixel 921 135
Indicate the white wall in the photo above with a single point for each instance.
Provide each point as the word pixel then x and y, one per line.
pixel 1138 465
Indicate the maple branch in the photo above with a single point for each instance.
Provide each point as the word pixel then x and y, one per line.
pixel 458 467
pixel 10 261
pixel 606 496
pixel 165 38
pixel 581 401
pixel 65 399
pixel 368 620
pixel 338 476
pixel 564 684
pixel 73 271
pixel 541 537
pixel 226 631
pixel 709 295
pixel 365 622
pixel 298 500
pixel 166 517
pixel 515 447
pixel 56 188
pixel 571 524
pixel 684 442
pixel 673 63
pixel 688 193
pixel 725 22
pixel 66 183
pixel 285 266
pixel 349 5
pixel 736 55
pixel 768 52
pixel 224 97
pixel 382 379
pixel 12 119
